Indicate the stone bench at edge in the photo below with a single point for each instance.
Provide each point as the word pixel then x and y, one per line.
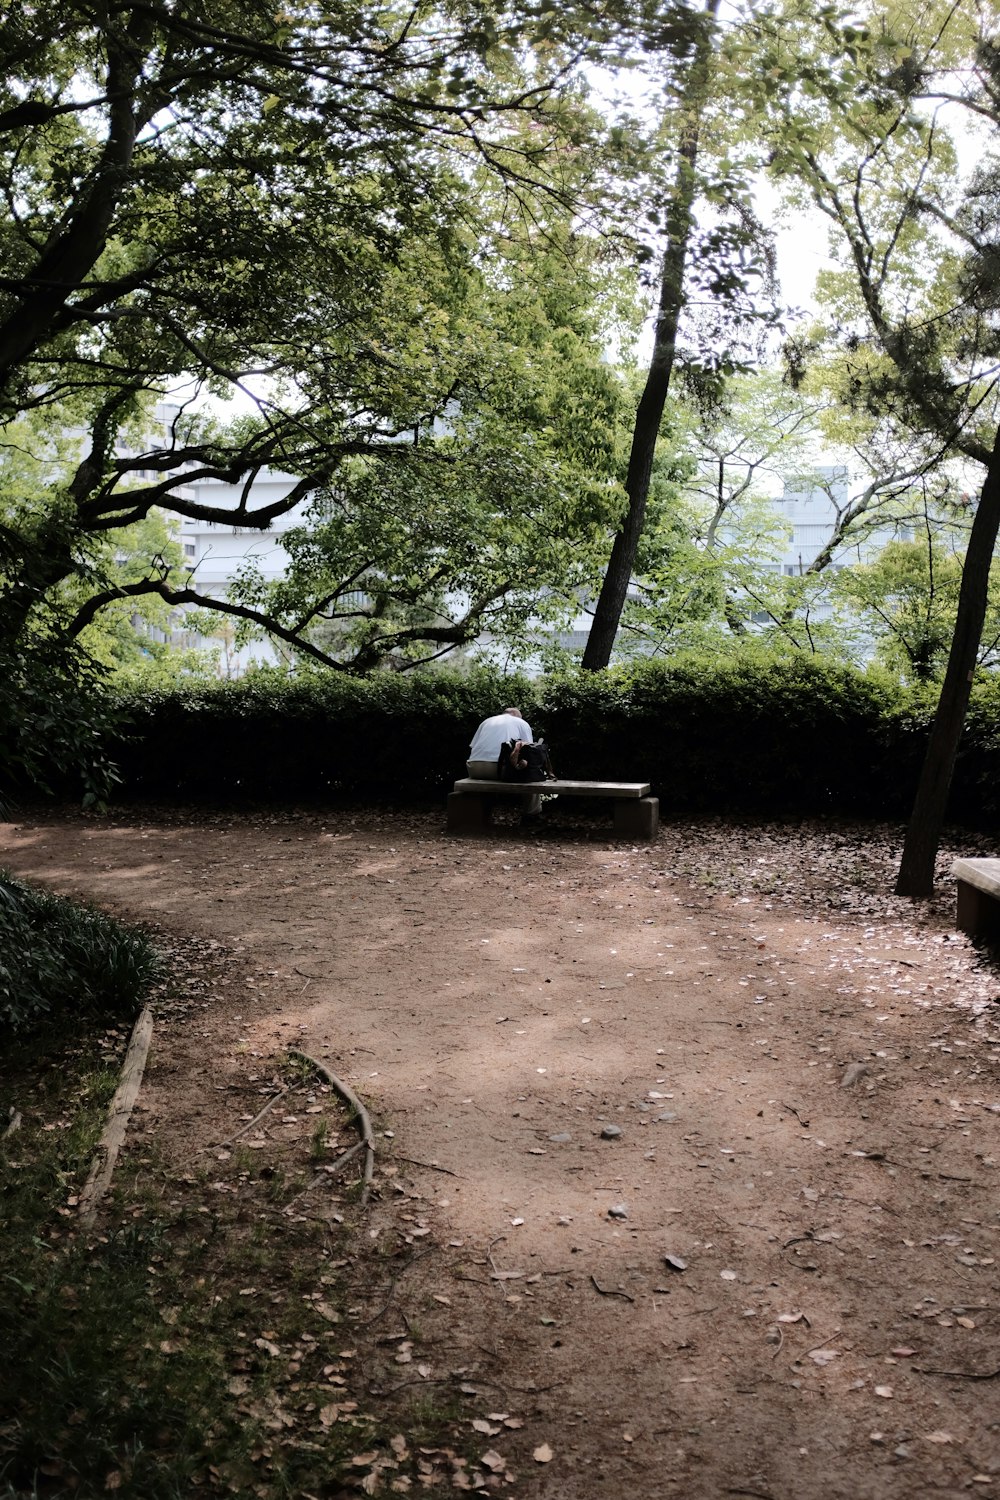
pixel 637 814
pixel 978 904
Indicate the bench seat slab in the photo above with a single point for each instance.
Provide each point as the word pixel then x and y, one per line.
pixel 982 873
pixel 636 789
pixel 978 897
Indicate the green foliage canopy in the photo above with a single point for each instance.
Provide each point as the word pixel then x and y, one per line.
pixel 302 210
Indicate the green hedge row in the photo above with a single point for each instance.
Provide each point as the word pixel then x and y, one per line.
pixel 786 735
pixel 58 959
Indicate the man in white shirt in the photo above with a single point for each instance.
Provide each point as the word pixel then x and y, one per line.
pixel 491 734
pixel 485 749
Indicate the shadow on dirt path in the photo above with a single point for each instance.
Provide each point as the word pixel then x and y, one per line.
pixel 701 1137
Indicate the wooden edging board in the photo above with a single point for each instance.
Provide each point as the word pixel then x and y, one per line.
pixel 113 1135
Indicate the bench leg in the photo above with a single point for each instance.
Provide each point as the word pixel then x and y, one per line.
pixel 977 913
pixel 468 813
pixel 638 818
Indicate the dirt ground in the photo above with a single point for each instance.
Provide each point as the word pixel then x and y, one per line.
pixel 728 1048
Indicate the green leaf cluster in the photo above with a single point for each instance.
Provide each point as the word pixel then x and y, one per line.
pixel 60 960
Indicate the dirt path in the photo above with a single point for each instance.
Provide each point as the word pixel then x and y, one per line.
pixel 612 1055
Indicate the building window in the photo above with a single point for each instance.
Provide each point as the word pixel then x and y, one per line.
pixel 190 550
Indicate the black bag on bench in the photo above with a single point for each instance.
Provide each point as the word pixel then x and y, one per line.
pixel 520 761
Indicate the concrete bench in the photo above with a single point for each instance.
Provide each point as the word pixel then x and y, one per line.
pixel 978 907
pixel 637 814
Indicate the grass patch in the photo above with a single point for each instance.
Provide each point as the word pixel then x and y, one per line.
pixel 89 1402
pixel 206 1340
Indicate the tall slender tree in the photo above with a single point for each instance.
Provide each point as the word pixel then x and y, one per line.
pixel 915 305
pixel 679 217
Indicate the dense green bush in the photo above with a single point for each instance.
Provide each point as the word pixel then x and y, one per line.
pixel 976 797
pixel 269 737
pixel 788 734
pixel 795 735
pixel 57 958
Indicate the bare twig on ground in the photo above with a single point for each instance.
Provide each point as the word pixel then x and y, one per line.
pixel 610 1291
pixel 326 1174
pixel 431 1166
pixel 250 1123
pixel 364 1121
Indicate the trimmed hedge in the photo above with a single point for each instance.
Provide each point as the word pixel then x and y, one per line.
pixel 785 735
pixel 271 738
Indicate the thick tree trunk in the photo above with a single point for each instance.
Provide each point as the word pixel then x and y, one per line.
pixel 916 867
pixel 69 258
pixel 614 589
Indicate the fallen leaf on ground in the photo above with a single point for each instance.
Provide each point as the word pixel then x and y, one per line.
pixel 542 1454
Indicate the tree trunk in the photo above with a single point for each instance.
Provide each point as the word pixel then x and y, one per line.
pixel 614 589
pixel 66 262
pixel 916 868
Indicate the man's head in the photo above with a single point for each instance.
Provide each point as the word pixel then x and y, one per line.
pixel 515 713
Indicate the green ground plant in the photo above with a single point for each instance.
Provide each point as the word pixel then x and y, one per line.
pixel 202 1338
pixel 59 960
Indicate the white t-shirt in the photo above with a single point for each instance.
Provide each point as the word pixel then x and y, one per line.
pixel 492 733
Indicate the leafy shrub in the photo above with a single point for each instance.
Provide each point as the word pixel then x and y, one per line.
pixel 784 735
pixel 54 719
pixel 273 738
pixel 976 797
pixel 779 734
pixel 58 958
